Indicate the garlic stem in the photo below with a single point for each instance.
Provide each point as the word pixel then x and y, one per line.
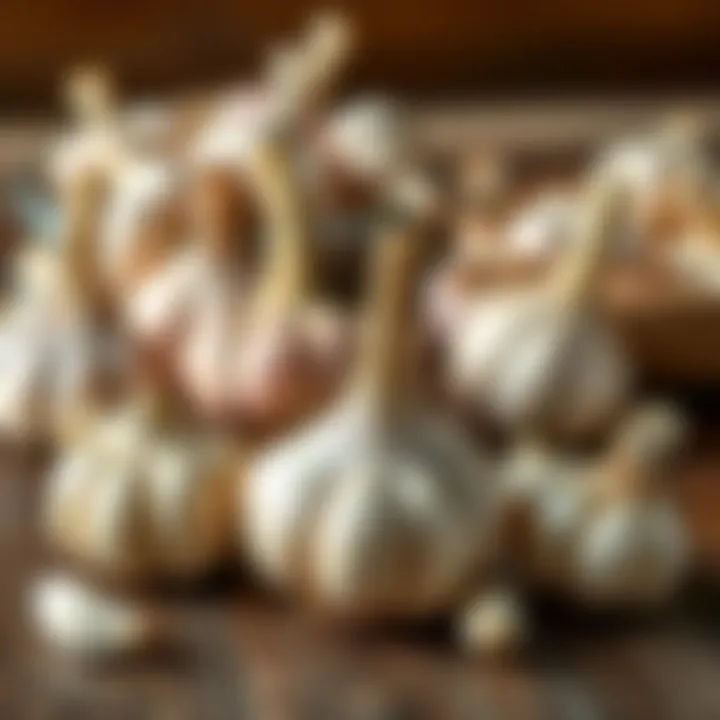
pixel 319 61
pixel 288 277
pixel 90 95
pixel 79 257
pixel 576 278
pixel 383 364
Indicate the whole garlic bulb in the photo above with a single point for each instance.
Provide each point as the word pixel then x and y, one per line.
pixel 603 533
pixel 634 547
pixel 377 509
pixel 287 353
pixel 294 350
pixel 542 360
pixel 139 499
pixel 81 620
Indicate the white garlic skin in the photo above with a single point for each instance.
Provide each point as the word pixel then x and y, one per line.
pixel 135 504
pixel 80 620
pixel 234 131
pixel 494 624
pixel 546 226
pixel 143 191
pixel 548 487
pixel 635 553
pixel 54 367
pixel 632 552
pixel 519 359
pixel 369 526
pixel 366 136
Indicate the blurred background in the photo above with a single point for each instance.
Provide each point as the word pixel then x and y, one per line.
pixel 424 48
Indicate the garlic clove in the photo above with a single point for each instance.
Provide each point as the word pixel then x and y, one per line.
pixel 494 624
pixel 80 620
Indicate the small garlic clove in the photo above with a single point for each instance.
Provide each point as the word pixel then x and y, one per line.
pixel 78 619
pixel 494 624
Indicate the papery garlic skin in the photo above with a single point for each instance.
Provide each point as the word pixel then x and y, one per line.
pixel 528 365
pixel 143 195
pixel 231 135
pixel 661 172
pixel 635 554
pixel 77 619
pixel 545 226
pixel 136 503
pixel 53 369
pixel 603 533
pixel 369 526
pixel 547 488
pixel 367 137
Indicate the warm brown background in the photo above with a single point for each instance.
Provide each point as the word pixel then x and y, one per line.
pixel 424 47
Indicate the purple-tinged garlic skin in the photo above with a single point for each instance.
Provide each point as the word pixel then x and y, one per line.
pixel 141 225
pixel 289 370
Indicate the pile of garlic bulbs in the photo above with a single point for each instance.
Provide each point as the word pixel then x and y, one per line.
pixel 335 452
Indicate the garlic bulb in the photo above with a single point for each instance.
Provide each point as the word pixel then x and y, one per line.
pixel 660 170
pixel 80 620
pixel 378 509
pixel 294 350
pixel 141 498
pixel 603 533
pixel 285 355
pixel 494 624
pixel 634 547
pixel 59 358
pixel 542 360
pixel 189 310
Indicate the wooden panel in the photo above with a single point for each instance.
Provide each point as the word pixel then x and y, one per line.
pixel 421 46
